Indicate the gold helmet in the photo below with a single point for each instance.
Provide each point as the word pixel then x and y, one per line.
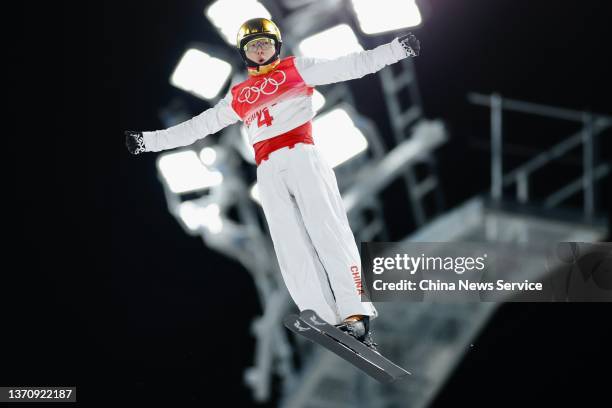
pixel 254 28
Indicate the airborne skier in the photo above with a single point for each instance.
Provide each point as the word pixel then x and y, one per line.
pixel 314 244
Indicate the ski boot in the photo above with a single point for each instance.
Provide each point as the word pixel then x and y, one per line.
pixel 359 329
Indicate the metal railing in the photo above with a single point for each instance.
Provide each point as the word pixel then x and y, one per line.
pixel 592 125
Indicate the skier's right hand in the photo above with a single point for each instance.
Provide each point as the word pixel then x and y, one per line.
pixel 134 142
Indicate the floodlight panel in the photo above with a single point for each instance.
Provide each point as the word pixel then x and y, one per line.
pixel 337 137
pixel 200 74
pixel 331 43
pixel 196 216
pixel 380 16
pixel 208 155
pixel 211 218
pixel 184 172
pixel 228 15
pixel 188 212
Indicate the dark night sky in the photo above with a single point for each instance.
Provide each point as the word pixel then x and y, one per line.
pixel 122 297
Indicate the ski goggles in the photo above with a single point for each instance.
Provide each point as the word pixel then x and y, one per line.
pixel 264 43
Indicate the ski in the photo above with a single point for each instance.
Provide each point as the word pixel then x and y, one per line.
pixel 311 318
pixel 297 325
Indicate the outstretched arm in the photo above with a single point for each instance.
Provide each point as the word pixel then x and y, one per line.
pixel 210 121
pixel 320 71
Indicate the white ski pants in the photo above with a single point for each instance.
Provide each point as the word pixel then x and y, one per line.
pixel 314 244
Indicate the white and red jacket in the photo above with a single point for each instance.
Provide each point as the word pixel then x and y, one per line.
pixel 276 107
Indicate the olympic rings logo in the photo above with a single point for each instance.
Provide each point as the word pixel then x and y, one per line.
pixel 267 86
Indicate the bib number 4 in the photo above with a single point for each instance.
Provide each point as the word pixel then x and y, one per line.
pixel 264 118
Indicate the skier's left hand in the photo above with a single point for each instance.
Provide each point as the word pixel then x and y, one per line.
pixel 411 44
pixel 134 142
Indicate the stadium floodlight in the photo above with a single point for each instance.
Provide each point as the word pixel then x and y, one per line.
pixel 201 74
pixel 189 214
pixel 331 43
pixel 337 137
pixel 184 172
pixel 228 15
pixel 318 100
pixel 195 216
pixel 380 16
pixel 208 156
